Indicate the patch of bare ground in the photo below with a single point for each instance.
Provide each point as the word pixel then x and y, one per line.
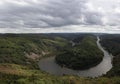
pixel 35 56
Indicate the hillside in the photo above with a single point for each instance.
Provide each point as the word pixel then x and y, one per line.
pixel 112 44
pixel 84 55
pixel 20 53
pixel 18 74
pixel 28 49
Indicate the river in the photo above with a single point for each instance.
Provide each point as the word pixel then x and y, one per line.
pixel 49 65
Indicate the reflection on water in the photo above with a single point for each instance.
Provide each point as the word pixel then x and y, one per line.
pixel 49 65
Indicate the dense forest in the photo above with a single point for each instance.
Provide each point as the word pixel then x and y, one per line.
pixel 112 45
pixel 83 55
pixel 20 53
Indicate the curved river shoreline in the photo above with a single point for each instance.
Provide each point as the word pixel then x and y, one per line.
pixel 49 65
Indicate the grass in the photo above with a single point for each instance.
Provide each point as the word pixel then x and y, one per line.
pixel 15 68
pixel 17 74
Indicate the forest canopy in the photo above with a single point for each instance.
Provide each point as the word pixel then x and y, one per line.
pixel 83 55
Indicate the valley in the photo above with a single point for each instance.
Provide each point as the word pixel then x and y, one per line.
pixel 20 55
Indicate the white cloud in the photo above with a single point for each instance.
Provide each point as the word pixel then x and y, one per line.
pixel 117 10
pixel 60 16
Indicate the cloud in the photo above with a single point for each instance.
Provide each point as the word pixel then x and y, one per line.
pixel 58 14
pixel 44 14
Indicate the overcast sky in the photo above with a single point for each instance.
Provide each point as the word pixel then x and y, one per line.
pixel 47 16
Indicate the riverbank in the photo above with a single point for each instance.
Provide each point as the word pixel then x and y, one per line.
pixel 49 65
pixel 14 71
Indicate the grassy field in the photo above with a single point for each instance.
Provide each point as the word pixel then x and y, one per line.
pixel 18 74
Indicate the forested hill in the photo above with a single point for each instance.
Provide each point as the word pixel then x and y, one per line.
pixel 20 53
pixel 83 55
pixel 27 49
pixel 112 45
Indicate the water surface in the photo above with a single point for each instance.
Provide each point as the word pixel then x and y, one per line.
pixel 49 65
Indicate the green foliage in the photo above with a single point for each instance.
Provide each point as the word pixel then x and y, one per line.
pixel 112 44
pixel 82 56
pixel 13 48
pixel 16 68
